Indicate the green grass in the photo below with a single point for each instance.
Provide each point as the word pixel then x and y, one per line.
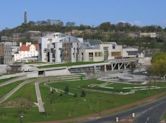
pixel 122 87
pixel 5 89
pixel 24 100
pixel 66 106
pixel 4 80
pixel 27 91
pixel 75 86
pixel 61 107
pixel 35 62
pixel 67 64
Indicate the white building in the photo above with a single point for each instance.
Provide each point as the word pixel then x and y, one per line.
pixel 59 48
pixel 130 52
pixel 27 52
pixel 103 51
pixel 149 34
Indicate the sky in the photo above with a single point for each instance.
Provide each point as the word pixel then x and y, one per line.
pixel 92 12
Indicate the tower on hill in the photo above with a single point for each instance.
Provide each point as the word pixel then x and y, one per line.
pixel 25 17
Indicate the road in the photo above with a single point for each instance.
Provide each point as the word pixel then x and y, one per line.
pixel 153 114
pixel 149 113
pixel 39 98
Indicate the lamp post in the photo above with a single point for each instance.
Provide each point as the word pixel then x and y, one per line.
pixel 21 117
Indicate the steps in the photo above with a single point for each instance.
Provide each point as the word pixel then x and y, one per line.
pixel 72 77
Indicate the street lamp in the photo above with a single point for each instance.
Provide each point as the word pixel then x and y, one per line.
pixel 21 117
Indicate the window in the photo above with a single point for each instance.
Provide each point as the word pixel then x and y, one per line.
pixel 113 46
pixel 98 54
pixel 116 54
pixel 91 54
pixel 132 52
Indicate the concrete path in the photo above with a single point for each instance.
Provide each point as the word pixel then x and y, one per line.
pixel 10 93
pixel 39 98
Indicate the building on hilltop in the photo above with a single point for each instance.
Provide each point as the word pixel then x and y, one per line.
pixel 149 34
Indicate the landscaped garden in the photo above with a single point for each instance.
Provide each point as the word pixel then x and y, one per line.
pixel 7 79
pixel 64 100
pixel 5 89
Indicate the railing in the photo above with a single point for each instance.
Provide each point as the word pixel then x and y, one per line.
pixel 123 60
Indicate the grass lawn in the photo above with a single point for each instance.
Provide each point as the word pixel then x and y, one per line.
pixel 22 101
pixel 122 87
pixel 67 64
pixel 60 107
pixel 4 80
pixel 27 91
pixel 5 89
pixel 66 106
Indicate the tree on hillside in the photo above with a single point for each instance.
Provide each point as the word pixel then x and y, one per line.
pixel 70 24
pixel 106 26
pixel 158 66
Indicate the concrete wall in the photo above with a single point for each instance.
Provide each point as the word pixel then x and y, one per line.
pixel 43 42
pixel 32 74
pixel 145 61
pixel 3 69
pixel 117 48
pixel 58 52
pixel 12 75
pixel 57 72
pixel 125 52
pixel 95 59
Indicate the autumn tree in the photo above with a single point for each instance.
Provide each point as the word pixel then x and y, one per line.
pixel 158 66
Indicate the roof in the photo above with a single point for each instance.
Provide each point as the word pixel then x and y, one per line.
pixel 25 47
pixel 93 42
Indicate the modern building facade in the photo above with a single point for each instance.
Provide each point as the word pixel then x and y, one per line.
pixel 130 52
pixel 102 51
pixel 59 48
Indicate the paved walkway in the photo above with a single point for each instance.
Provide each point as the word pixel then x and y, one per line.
pixel 39 98
pixel 12 81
